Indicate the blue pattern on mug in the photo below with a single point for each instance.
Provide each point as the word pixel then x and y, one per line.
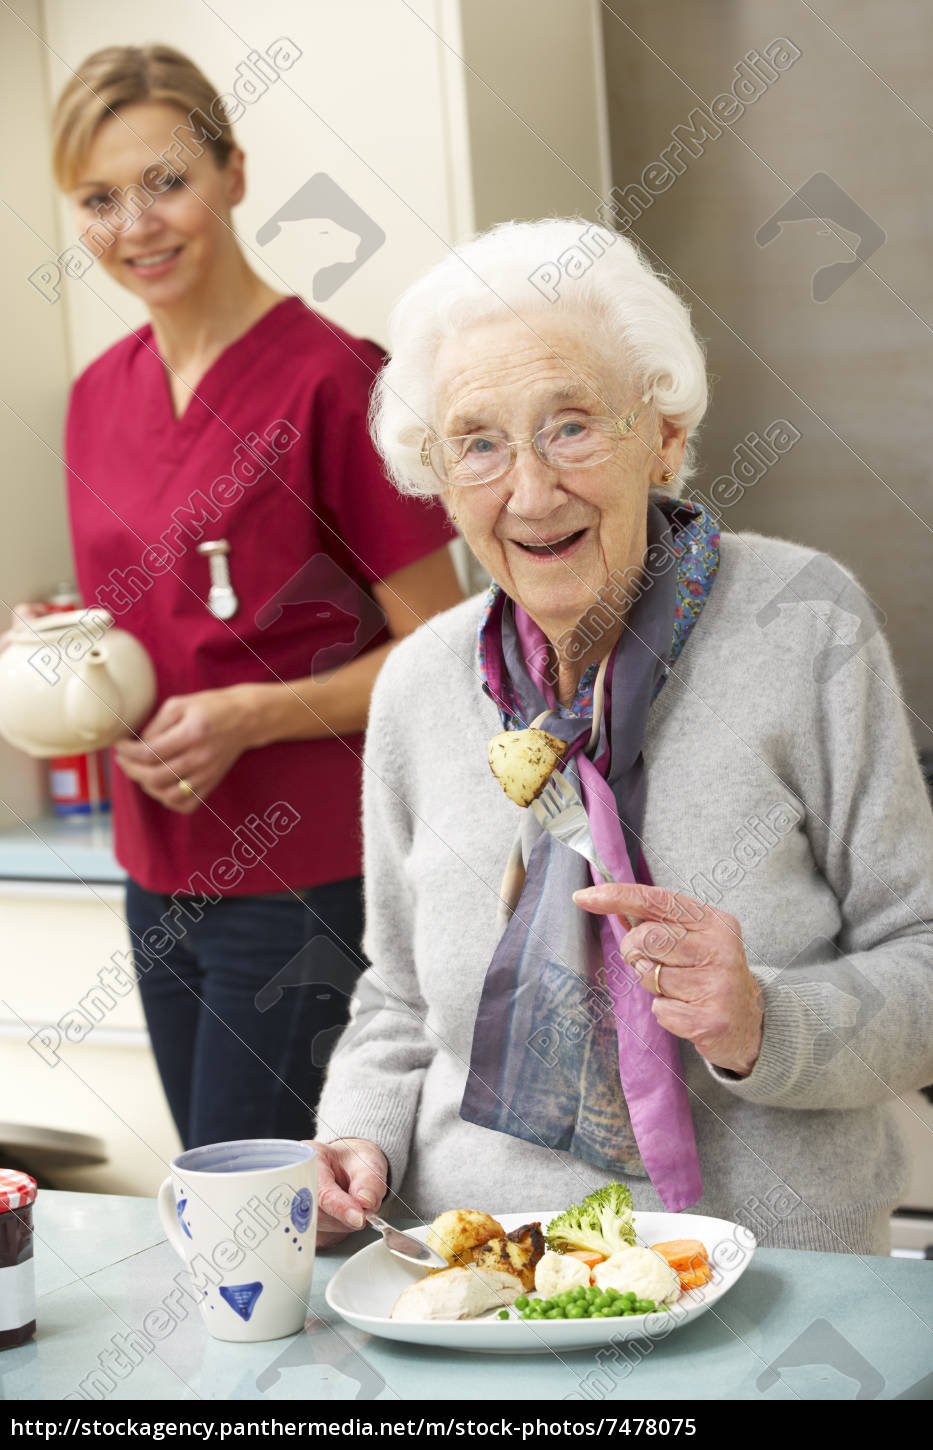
pixel 180 1206
pixel 241 1297
pixel 302 1205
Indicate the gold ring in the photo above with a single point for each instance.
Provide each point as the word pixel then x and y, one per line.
pixel 657 980
pixel 184 786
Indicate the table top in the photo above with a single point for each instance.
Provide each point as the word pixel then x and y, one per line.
pixel 796 1326
pixel 53 848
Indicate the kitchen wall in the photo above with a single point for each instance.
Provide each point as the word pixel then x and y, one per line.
pixel 34 369
pixel 378 118
pixel 536 108
pixel 850 154
pixel 401 123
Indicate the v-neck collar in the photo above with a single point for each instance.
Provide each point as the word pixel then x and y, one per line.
pixel 214 385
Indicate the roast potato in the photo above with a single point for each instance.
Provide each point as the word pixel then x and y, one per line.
pixel 523 762
pixel 459 1232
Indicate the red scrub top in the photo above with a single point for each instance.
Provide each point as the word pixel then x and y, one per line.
pixel 272 455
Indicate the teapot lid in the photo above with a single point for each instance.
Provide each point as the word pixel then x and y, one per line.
pixel 93 620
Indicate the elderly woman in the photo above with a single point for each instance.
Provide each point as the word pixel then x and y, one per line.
pixel 725 1025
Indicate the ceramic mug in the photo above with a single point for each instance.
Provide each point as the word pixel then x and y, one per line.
pixel 243 1216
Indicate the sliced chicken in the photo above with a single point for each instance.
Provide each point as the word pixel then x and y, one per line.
pixel 457 1294
pixel 514 1253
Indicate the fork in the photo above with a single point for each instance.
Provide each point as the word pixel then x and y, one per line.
pixel 403 1246
pixel 561 812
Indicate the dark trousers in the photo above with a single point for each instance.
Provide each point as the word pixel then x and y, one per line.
pixel 244 999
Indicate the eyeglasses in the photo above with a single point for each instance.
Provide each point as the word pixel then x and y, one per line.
pixel 577 441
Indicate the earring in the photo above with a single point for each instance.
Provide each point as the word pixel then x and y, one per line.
pixel 452 516
pixel 667 475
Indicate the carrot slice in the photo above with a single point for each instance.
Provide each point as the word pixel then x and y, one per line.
pixel 695 1278
pixel 587 1256
pixel 682 1254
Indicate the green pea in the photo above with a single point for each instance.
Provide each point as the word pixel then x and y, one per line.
pixel 557 1313
pixel 521 1302
pixel 630 1297
pixel 503 1313
pixel 576 1311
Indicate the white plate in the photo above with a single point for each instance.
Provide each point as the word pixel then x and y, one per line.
pixel 364 1289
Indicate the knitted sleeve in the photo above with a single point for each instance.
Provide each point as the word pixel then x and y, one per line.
pixel 373 1083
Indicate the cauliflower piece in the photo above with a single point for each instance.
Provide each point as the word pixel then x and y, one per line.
pixel 558 1272
pixel 641 1271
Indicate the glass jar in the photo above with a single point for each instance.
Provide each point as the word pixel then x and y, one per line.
pixel 17 1281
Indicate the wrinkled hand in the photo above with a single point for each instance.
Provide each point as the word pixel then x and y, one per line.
pixel 352 1174
pixel 708 994
pixel 193 737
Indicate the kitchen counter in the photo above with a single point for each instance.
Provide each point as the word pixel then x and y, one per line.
pixel 796 1326
pixel 56 848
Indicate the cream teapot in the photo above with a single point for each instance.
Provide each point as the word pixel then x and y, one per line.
pixel 71 683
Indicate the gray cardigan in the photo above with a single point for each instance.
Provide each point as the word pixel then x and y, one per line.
pixel 783 787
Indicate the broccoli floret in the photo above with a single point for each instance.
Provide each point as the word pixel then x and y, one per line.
pixel 602 1222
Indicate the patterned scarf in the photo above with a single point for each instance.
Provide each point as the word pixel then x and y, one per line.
pixel 566 1051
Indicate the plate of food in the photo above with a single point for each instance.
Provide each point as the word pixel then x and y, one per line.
pixel 547 1280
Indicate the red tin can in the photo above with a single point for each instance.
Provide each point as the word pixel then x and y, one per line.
pixel 78 784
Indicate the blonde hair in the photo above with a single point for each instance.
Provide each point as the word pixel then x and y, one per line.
pixel 124 75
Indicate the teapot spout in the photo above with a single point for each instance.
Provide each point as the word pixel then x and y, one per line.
pixel 94 701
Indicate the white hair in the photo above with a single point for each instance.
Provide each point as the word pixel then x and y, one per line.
pixel 560 267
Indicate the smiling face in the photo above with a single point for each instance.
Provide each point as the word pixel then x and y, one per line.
pixel 168 253
pixel 551 538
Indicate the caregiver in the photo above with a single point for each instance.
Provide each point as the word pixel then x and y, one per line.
pixel 231 428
